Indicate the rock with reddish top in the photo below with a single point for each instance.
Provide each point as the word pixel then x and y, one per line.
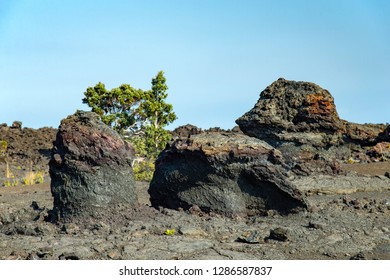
pixel 293 111
pixel 90 168
pixel 301 120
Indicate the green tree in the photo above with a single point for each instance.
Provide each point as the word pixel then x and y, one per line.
pixel 157 114
pixel 117 107
pixel 142 113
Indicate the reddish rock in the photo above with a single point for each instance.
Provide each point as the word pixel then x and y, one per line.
pixel 90 168
pixel 300 119
pixel 291 107
pixel 363 134
pixel 380 151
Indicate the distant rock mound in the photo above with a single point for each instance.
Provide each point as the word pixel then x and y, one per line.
pixel 27 146
pixel 364 134
pixel 90 168
pixel 223 172
pixel 185 131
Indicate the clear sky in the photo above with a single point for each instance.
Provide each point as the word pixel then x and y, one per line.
pixel 217 55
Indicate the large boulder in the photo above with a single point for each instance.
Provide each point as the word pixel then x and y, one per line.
pixel 90 168
pixel 293 111
pixel 300 119
pixel 223 172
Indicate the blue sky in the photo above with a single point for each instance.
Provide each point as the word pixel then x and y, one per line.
pixel 217 55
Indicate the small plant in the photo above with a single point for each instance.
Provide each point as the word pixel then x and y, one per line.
pixel 143 170
pixel 351 160
pixel 29 179
pixel 15 183
pixel 32 178
pixel 3 147
pixel 40 177
pixel 169 232
pixel 11 183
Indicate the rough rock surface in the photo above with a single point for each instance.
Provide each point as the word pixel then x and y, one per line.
pixel 364 134
pixel 185 131
pixel 28 146
pixel 300 119
pixel 385 135
pixel 303 110
pixel 332 185
pixel 90 168
pixel 342 226
pixel 225 172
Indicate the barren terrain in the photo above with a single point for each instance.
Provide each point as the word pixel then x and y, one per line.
pixel 346 224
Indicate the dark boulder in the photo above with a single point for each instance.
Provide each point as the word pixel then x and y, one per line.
pixel 384 135
pixel 293 111
pixel 223 172
pixel 300 119
pixel 90 168
pixel 16 125
pixel 185 131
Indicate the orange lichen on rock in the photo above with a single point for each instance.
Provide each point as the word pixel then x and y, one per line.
pixel 319 104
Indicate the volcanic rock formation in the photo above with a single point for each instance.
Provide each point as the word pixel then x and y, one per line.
pixel 185 131
pixel 223 172
pixel 300 119
pixel 28 146
pixel 90 168
pixel 293 111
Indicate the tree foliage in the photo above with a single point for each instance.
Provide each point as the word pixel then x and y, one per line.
pixel 141 114
pixel 117 107
pixel 157 114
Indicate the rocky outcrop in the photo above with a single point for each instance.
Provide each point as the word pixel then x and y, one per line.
pixel 364 134
pixel 27 146
pixel 185 131
pixel 90 168
pixel 301 120
pixel 385 135
pixel 223 172
pixel 293 111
